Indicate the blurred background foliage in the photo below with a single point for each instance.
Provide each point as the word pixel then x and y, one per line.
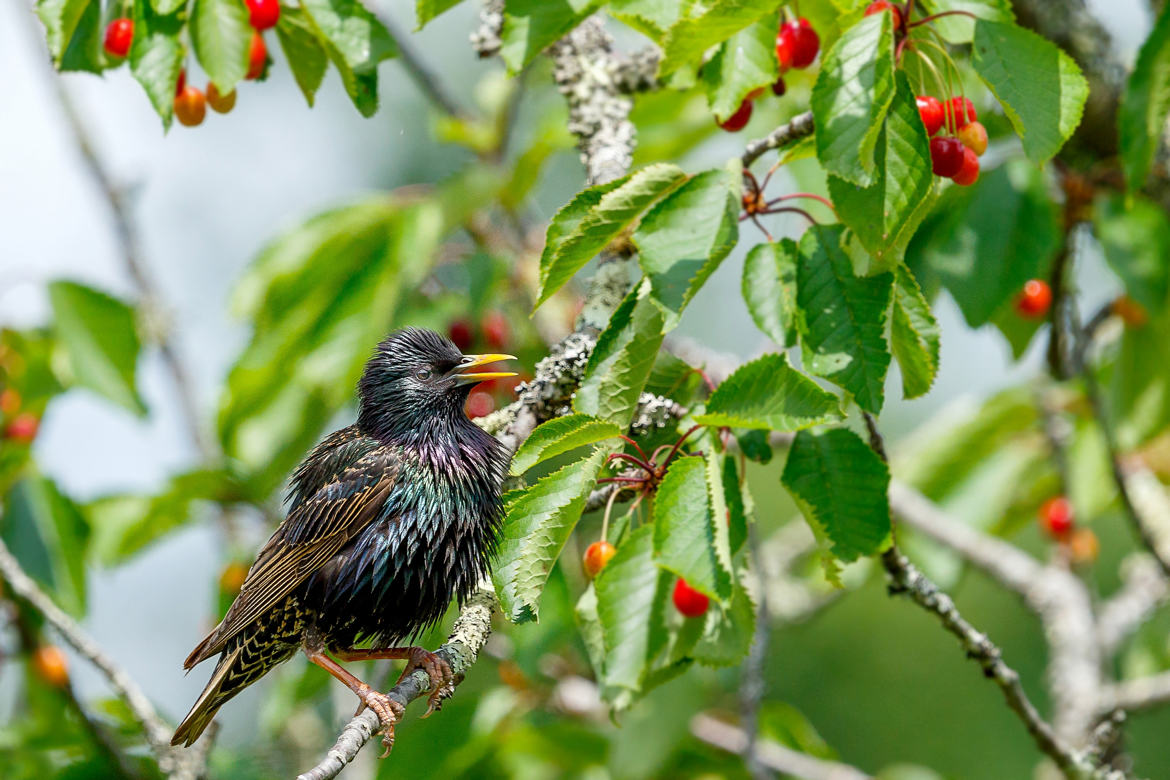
pixel 284 242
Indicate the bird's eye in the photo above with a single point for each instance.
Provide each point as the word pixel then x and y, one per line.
pixel 423 374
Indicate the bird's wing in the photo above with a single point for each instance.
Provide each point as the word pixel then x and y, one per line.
pixel 311 534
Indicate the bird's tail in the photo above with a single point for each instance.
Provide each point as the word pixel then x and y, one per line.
pixel 237 669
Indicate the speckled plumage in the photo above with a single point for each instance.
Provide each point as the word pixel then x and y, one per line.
pixel 388 520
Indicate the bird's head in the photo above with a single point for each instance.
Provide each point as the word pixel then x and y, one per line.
pixel 417 379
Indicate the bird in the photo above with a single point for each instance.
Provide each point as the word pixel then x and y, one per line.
pixel 388 520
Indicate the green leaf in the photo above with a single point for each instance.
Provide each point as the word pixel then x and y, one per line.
pixel 1136 240
pixel 156 56
pixel 530 26
pixel 48 535
pixel 769 289
pixel 1040 87
pixel 595 217
pixel 303 49
pixel 537 523
pixel 426 10
pixel 650 17
pixel 61 18
pixel 124 525
pixel 685 236
pixel 844 317
pixel 728 631
pixel 627 591
pixel 995 235
pixel 850 98
pixel 222 38
pixel 914 335
pixel 356 42
pixel 744 62
pixel 687 39
pixel 961 29
pixel 684 529
pixel 319 298
pixel 558 436
pixel 85 50
pixel 1145 104
pixel 769 394
pixel 885 214
pixel 100 339
pixel 621 361
pixel 841 487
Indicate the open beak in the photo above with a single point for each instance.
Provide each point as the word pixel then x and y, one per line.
pixel 464 375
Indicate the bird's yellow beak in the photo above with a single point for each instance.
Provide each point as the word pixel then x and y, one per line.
pixel 463 377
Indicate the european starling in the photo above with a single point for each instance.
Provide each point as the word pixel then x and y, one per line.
pixel 388 519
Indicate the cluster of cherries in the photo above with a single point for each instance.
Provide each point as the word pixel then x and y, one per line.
pixel 688 601
pixel 954 155
pixel 20 427
pixel 191 102
pixel 493 331
pixel 797 44
pixel 1058 521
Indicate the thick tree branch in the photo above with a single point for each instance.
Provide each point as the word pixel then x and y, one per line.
pixel 1144 589
pixel 1143 693
pixel 771 754
pixel 468 637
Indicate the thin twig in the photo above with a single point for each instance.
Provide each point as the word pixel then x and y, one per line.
pixel 419 71
pixel 796 128
pixel 771 754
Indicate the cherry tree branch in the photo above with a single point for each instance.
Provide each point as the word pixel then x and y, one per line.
pixel 800 126
pixel 177 764
pixel 468 637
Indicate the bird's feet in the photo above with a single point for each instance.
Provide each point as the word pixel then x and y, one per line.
pixel 442 678
pixel 388 710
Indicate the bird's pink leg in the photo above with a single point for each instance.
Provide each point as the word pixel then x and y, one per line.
pixel 442 678
pixel 389 711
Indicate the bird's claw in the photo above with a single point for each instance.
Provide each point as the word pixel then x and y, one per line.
pixel 437 668
pixel 388 710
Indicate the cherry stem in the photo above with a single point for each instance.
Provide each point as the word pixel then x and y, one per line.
pixel 608 509
pixel 706 379
pixel 678 444
pixel 818 198
pixel 764 230
pixel 631 459
pixel 633 444
pixel 939 15
pixel 792 210
pixel 929 63
pixel 631 480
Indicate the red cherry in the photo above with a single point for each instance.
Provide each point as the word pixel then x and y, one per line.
pixel 946 156
pixel 738 120
pixel 878 6
pixel 480 404
pixel 1034 300
pixel 23 428
pixel 257 57
pixel 182 82
pixel 263 14
pixel 931 112
pixel 1056 516
pixel 461 335
pixel 191 107
pixel 10 401
pixel 969 172
pixel 495 329
pixel 119 36
pixel 51 665
pixel 958 112
pixel 779 87
pixel 974 137
pixel 690 602
pixel 797 45
pixel 596 556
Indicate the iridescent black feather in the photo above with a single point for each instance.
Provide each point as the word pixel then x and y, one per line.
pixel 388 520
